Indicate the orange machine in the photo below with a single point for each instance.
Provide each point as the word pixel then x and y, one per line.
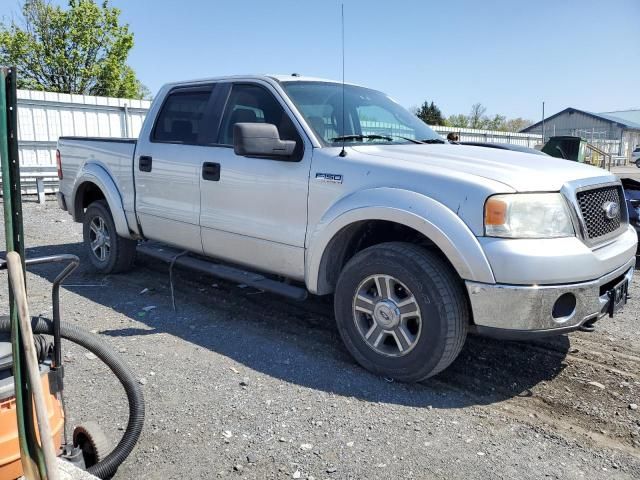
pixel 90 450
pixel 10 465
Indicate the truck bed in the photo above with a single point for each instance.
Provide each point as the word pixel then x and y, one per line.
pixel 115 155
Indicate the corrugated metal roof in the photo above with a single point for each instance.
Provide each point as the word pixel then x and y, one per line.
pixel 613 118
pixel 630 115
pixel 604 116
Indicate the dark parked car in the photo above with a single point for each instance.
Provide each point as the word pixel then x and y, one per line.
pixel 635 156
pixel 505 146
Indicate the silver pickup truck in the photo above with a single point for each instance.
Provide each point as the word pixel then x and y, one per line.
pixel 339 190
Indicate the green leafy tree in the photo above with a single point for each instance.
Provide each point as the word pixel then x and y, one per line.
pixel 82 49
pixel 497 122
pixel 478 119
pixel 516 124
pixel 460 121
pixel 430 114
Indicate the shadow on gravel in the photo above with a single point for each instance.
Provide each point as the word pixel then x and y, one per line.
pixel 297 342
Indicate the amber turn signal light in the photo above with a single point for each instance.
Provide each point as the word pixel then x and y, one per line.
pixel 495 212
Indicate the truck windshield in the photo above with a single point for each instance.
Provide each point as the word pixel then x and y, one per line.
pixel 369 116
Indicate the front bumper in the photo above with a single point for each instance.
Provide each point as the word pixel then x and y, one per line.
pixel 517 311
pixel 556 261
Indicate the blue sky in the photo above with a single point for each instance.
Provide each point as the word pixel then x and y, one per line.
pixel 507 54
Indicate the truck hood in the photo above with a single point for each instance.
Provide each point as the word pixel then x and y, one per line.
pixel 522 172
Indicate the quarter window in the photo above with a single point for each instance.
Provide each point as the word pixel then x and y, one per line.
pixel 181 117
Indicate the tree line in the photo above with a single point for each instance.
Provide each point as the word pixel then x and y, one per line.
pixel 82 49
pixel 429 113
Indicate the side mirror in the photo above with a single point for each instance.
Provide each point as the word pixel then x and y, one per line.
pixel 260 140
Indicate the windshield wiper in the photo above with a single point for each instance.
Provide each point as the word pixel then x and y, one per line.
pixel 384 136
pixel 361 137
pixel 412 140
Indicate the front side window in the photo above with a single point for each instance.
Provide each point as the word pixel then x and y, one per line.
pixel 181 116
pixel 369 116
pixel 253 103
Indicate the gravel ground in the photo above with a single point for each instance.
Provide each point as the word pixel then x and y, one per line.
pixel 244 384
pixel 629 171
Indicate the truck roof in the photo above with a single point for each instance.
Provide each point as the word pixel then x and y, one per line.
pixel 294 77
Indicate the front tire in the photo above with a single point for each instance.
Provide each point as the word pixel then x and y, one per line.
pixel 108 252
pixel 638 163
pixel 401 311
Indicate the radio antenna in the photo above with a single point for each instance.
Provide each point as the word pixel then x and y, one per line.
pixel 343 152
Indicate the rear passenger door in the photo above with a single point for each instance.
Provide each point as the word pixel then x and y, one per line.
pixel 168 165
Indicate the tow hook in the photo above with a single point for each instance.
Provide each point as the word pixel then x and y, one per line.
pixel 589 325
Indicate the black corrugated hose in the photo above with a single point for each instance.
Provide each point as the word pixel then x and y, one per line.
pixel 107 467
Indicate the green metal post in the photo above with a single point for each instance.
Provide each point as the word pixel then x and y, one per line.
pixel 14 236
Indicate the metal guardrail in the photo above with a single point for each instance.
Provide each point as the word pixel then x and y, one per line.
pixel 39 180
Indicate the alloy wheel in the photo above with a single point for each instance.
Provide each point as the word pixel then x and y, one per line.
pixel 387 315
pixel 99 237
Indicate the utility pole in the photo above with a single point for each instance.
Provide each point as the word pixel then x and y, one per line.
pixel 543 121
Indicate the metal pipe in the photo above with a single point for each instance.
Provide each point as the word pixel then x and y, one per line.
pixel 543 122
pixel 126 121
pixel 16 279
pixel 74 261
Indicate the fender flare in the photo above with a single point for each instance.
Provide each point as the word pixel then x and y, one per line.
pixel 97 175
pixel 432 219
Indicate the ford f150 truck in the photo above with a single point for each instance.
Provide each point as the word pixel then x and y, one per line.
pixel 337 189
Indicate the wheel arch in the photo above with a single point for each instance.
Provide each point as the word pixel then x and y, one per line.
pixel 94 184
pixel 414 218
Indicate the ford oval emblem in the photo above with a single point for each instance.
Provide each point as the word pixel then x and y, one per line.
pixel 611 210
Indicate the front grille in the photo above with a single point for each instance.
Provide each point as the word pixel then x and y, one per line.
pixel 593 206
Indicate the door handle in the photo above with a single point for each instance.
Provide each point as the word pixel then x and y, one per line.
pixel 211 171
pixel 144 163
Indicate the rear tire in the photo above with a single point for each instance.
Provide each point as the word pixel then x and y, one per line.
pixel 108 252
pixel 401 311
pixel 638 163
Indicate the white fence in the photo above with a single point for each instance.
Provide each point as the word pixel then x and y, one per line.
pixel 45 116
pixel 492 136
pixel 466 134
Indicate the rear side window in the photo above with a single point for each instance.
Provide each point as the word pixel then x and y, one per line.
pixel 181 118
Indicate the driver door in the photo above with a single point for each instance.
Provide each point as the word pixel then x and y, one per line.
pixel 254 211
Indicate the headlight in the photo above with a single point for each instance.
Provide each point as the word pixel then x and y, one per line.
pixel 528 215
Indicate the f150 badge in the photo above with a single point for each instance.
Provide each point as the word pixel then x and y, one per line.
pixel 329 177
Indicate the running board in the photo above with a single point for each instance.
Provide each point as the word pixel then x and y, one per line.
pixel 225 272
